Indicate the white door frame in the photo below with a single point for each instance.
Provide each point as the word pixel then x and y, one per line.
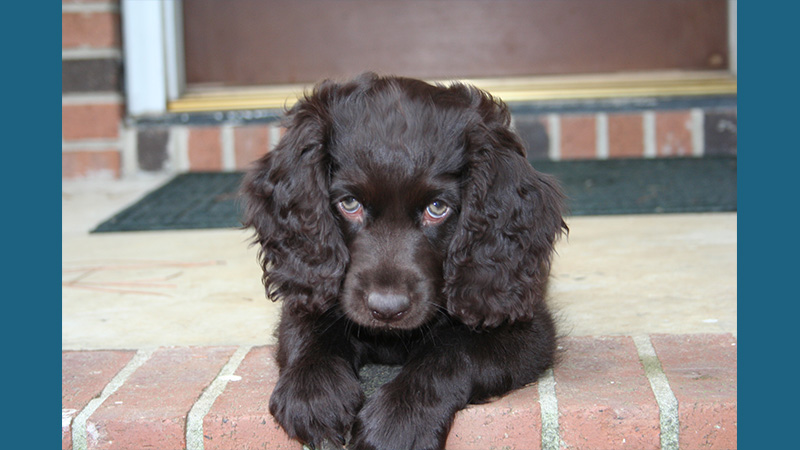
pixel 152 54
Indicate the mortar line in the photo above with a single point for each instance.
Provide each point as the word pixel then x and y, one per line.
pixel 554 133
pixel 649 125
pixel 89 7
pixel 129 140
pixel 601 136
pixel 548 404
pixel 90 145
pixel 665 398
pixel 79 424
pixel 274 137
pixel 91 98
pixel 194 421
pixel 698 132
pixel 178 145
pixel 68 54
pixel 227 144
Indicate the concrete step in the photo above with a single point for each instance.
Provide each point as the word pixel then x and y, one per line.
pixel 639 392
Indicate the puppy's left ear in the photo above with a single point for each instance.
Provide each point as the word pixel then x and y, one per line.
pixel 511 216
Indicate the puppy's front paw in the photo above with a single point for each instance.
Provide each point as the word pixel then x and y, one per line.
pixel 317 403
pixel 393 423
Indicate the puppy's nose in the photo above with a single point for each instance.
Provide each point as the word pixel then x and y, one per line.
pixel 387 307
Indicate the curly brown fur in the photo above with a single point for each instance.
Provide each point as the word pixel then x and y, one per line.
pixel 400 223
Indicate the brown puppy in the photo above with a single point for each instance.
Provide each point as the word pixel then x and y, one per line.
pixel 400 223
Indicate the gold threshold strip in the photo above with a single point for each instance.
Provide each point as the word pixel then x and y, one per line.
pixel 576 87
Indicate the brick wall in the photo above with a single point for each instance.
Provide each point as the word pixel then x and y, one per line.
pixel 92 105
pixel 202 147
pixel 656 133
pixel 98 141
pixel 229 143
pixel 605 393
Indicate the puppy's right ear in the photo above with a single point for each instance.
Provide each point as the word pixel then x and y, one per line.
pixel 302 252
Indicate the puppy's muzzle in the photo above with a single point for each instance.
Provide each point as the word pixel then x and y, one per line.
pixel 388 307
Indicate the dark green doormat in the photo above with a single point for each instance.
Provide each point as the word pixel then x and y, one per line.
pixel 646 186
pixel 188 201
pixel 617 186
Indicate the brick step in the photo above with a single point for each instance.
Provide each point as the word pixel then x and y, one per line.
pixel 616 392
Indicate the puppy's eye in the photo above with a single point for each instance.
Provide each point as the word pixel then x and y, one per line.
pixel 437 209
pixel 350 205
pixel 351 209
pixel 435 213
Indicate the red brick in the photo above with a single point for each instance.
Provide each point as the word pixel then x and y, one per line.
pixel 701 370
pixel 513 421
pixel 604 398
pixel 625 136
pixel 150 409
pixel 250 142
pixel 674 133
pixel 84 375
pixel 79 164
pixel 205 149
pixel 578 137
pixel 91 121
pixel 90 30
pixel 240 416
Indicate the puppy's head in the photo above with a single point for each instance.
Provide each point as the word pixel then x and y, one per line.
pixel 396 200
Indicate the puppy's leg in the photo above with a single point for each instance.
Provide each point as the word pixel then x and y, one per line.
pixel 317 395
pixel 416 409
